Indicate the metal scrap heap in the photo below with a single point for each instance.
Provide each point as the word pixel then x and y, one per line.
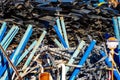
pixel 59 40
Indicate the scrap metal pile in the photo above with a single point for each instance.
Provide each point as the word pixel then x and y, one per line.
pixel 57 40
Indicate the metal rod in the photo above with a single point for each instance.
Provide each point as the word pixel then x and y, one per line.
pixel 116 31
pixel 60 36
pixel 2 30
pixel 34 50
pixel 112 53
pixel 31 69
pixel 5 39
pixel 83 59
pixel 19 49
pixel 26 52
pixel 3 68
pixel 72 65
pixel 64 31
pixel 56 49
pixel 10 63
pixel 22 44
pixel 58 24
pixel 63 71
pixel 75 54
pixel 118 37
pixel 11 38
pixel 101 1
pixel 8 35
pixel 58 43
pixel 118 20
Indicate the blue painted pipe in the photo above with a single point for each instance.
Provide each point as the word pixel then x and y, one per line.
pixel 58 25
pixel 109 64
pixel 83 59
pixel 75 54
pixel 22 44
pixel 34 50
pixel 60 36
pixel 5 39
pixel 26 52
pixel 20 48
pixel 119 38
pixel 8 35
pixel 118 18
pixel 116 31
pixel 2 31
pixel 6 44
pixel 100 1
pixel 2 69
pixel 5 66
pixel 10 38
pixel 64 31
pixel 11 56
pixel 116 28
pixel 58 43
pixel 20 59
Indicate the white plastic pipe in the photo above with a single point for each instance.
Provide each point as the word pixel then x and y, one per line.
pixel 63 71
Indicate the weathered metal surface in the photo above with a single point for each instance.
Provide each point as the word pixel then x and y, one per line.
pixel 65 41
